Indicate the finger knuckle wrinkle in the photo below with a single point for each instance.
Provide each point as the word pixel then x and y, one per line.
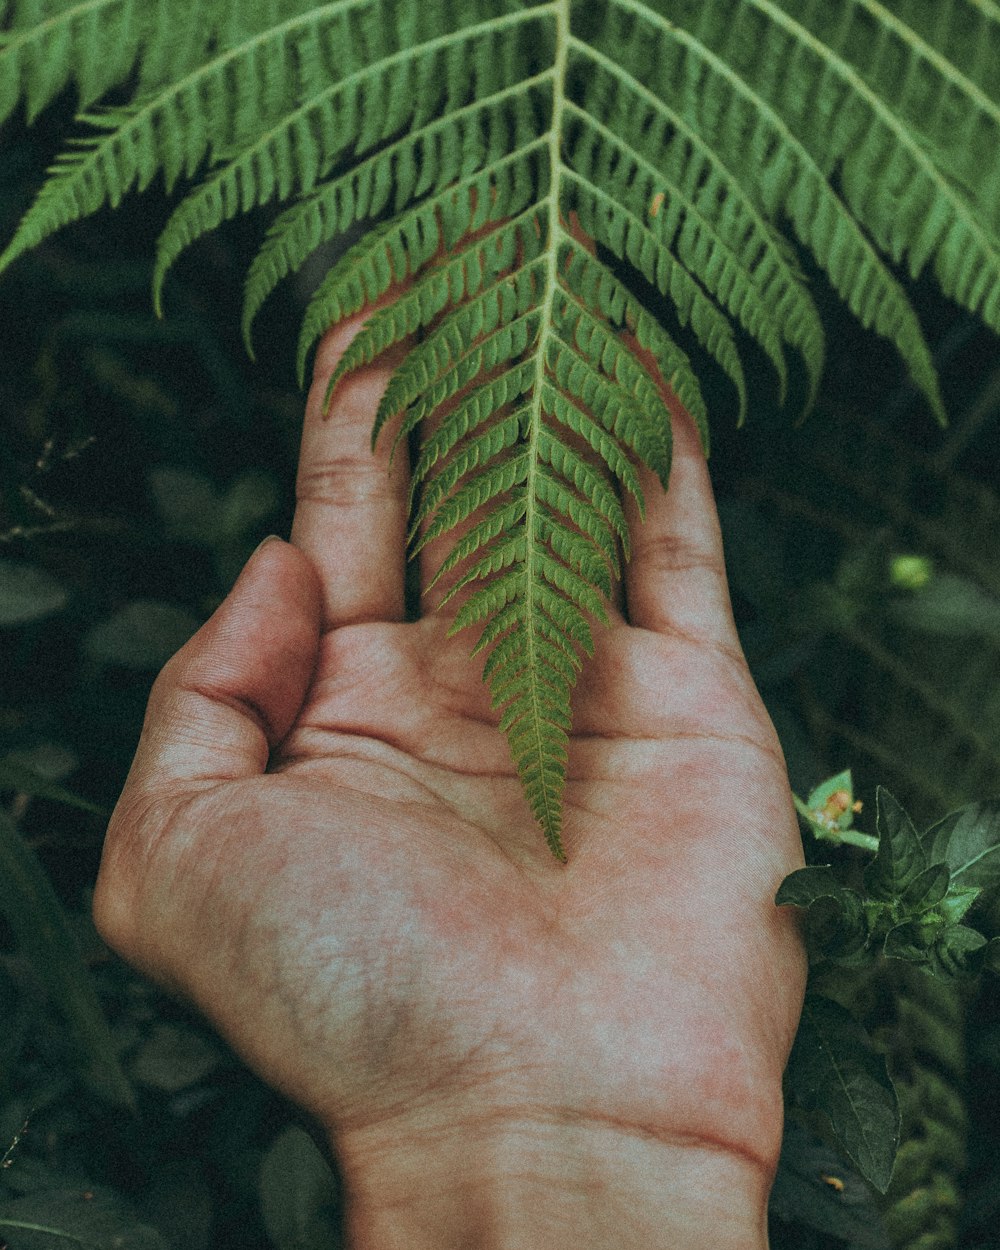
pixel 343 481
pixel 673 554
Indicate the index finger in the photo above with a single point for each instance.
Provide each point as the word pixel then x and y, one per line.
pixel 351 509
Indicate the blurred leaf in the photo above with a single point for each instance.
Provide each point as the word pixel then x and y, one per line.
pixel 969 842
pixel 172 1058
pixel 836 926
pixel 73 1219
pixel 298 1194
pixel 180 1204
pixel 952 607
pixel 834 1070
pixel 251 498
pixel 946 951
pixel 913 939
pixel 805 885
pixel 27 1174
pixel 15 775
pixel 991 960
pixel 956 903
pixel 196 512
pixel 188 502
pixel 44 935
pixel 143 634
pixel 957 952
pixel 910 572
pixel 27 594
pixel 49 760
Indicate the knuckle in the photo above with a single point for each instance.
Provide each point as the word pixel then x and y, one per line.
pixel 673 553
pixel 343 481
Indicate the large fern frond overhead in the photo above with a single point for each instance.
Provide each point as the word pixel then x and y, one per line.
pixel 703 145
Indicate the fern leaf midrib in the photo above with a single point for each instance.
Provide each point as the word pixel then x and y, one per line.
pixel 439 444
pixel 207 69
pixel 675 192
pixel 355 356
pixel 549 803
pixel 408 54
pixel 267 252
pixel 453 372
pixel 213 66
pixel 210 68
pixel 313 328
pixel 174 90
pixel 697 284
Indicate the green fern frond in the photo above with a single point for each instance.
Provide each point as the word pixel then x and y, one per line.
pixel 387 252
pixel 300 147
pixel 170 127
pixel 688 189
pixel 697 143
pixel 478 407
pixel 916 213
pixel 599 289
pixel 647 245
pixel 895 54
pixel 774 162
pixel 508 342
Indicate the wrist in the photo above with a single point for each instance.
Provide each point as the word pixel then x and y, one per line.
pixel 547 1182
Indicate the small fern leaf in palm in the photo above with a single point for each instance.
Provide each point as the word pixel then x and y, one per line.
pixel 703 146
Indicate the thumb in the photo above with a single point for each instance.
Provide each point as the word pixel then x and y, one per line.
pixel 232 692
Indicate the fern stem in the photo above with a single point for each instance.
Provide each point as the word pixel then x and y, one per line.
pixel 551 803
pixel 38 32
pixel 676 192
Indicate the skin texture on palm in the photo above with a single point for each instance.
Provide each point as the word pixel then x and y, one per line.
pixel 324 843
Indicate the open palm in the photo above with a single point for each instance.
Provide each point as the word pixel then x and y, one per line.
pixel 375 921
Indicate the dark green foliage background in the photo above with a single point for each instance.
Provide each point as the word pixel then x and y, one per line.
pixel 100 404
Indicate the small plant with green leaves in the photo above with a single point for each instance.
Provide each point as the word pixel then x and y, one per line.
pixel 697 143
pixel 913 905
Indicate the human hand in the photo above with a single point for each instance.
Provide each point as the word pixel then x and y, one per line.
pixel 323 842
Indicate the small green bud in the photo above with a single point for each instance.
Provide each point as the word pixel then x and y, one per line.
pixel 910 572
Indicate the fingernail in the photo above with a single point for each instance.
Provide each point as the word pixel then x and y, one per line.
pixel 263 543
